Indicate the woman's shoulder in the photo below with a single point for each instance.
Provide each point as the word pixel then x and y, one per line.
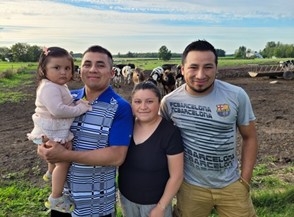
pixel 167 125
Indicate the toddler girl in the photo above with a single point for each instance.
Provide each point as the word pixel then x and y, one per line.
pixel 54 114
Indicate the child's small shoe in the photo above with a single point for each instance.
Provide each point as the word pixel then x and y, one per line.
pixel 61 204
pixel 47 177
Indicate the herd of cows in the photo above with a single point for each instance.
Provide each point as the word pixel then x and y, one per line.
pixel 167 77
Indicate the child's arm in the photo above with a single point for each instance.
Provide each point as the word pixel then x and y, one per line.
pixel 59 102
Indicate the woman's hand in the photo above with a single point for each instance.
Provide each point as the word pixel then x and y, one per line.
pixel 157 211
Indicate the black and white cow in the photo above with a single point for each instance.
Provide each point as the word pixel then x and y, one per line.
pixel 156 75
pixel 127 74
pixel 287 65
pixel 117 78
pixel 121 65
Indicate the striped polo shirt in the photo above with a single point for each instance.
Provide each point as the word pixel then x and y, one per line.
pixel 110 123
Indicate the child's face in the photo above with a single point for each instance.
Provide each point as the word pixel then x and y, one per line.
pixel 59 70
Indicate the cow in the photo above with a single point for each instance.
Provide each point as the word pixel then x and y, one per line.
pixel 77 68
pixel 127 74
pixel 76 75
pixel 121 65
pixel 168 81
pixel 179 77
pixel 138 76
pixel 156 75
pixel 287 65
pixel 168 66
pixel 117 78
pixel 179 80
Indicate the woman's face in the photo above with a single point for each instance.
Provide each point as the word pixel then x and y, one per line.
pixel 145 105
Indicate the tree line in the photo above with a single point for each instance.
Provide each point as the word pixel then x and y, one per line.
pixel 23 52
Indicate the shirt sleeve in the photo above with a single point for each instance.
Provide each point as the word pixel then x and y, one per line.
pixel 122 127
pixel 245 113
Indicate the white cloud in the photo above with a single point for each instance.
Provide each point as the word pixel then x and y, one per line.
pixel 144 26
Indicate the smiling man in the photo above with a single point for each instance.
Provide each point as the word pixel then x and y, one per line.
pixel 101 140
pixel 208 112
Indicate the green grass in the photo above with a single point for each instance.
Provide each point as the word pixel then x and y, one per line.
pixel 14 76
pixel 16 65
pixel 228 62
pixel 9 87
pixel 22 199
pixel 272 193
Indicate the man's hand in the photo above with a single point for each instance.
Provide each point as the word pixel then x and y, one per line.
pixel 52 152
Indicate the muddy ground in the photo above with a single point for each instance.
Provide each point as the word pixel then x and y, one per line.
pixel 273 105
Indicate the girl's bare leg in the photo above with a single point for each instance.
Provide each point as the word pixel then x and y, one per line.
pixel 51 167
pixel 58 178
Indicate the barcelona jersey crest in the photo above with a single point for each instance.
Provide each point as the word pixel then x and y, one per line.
pixel 223 110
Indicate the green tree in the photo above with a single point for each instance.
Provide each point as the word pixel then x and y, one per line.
pixel 164 53
pixel 19 52
pixel 33 53
pixel 4 53
pixel 241 52
pixel 269 49
pixel 130 54
pixel 220 52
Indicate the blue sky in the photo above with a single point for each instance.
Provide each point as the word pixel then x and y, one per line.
pixel 144 26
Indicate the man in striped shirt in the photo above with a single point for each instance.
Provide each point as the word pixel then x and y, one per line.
pixel 101 139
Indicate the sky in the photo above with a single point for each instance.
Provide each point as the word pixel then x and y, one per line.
pixel 144 26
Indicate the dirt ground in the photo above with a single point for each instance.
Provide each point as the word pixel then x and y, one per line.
pixel 273 105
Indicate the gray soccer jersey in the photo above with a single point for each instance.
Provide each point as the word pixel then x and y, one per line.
pixel 208 126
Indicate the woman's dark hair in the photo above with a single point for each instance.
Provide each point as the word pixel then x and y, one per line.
pixel 147 85
pixel 51 52
pixel 200 45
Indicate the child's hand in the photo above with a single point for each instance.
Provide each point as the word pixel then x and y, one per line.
pixel 68 145
pixel 85 103
pixel 45 139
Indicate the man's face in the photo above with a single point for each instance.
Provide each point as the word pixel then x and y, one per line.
pixel 199 71
pixel 96 71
